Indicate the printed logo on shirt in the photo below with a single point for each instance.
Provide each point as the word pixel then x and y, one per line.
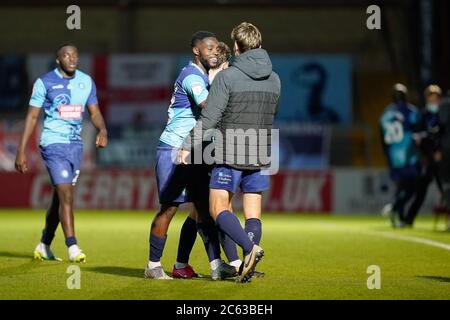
pixel 196 88
pixel 59 86
pixel 81 85
pixel 70 111
pixel 61 99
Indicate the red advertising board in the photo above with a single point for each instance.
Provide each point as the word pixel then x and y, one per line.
pixel 292 191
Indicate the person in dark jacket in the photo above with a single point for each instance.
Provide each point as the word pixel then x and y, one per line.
pixel 241 106
pixel 430 133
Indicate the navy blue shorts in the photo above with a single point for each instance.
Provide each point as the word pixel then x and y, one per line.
pixel 180 183
pixel 224 177
pixel 406 173
pixel 63 162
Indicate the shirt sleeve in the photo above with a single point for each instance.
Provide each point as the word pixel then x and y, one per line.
pixel 92 99
pixel 38 95
pixel 211 114
pixel 195 87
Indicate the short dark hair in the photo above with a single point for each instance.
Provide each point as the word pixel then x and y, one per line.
pixel 200 36
pixel 65 44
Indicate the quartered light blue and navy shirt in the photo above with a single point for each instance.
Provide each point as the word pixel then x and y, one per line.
pixel 64 101
pixel 191 89
pixel 398 125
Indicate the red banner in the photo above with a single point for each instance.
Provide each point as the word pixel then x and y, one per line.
pixel 292 191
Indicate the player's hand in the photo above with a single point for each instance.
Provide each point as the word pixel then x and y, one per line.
pixel 21 162
pixel 102 139
pixel 182 156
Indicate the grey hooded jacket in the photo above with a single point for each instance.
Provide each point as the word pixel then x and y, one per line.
pixel 241 105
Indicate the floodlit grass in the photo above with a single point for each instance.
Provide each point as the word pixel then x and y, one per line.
pixel 307 257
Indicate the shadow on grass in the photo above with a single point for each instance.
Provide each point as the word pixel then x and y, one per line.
pixel 436 278
pixel 18 255
pixel 118 271
pixel 138 273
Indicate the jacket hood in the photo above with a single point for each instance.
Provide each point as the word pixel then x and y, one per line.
pixel 255 63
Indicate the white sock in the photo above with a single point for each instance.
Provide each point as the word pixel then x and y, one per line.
pixel 215 264
pixel 73 249
pixel 236 263
pixel 180 265
pixel 152 265
pixel 42 245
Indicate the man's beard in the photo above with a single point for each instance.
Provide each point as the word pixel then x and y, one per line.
pixel 205 64
pixel 69 73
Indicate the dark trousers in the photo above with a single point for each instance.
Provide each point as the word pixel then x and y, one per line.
pixel 406 189
pixel 422 189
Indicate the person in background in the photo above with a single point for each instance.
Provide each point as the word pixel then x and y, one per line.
pixel 398 125
pixel 429 136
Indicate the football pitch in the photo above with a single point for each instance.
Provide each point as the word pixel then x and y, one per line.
pixel 306 257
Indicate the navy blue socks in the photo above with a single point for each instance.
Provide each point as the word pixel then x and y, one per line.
pixel 156 247
pixel 47 237
pixel 229 224
pixel 229 246
pixel 253 229
pixel 188 235
pixel 70 241
pixel 210 237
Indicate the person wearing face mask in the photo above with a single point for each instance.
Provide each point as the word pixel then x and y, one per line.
pixel 430 135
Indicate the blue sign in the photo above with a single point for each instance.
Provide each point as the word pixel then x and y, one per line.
pixel 13 83
pixel 315 88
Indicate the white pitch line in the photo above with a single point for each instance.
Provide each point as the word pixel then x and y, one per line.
pixel 428 242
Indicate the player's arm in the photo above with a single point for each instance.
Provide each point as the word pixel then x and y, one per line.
pixel 97 119
pixel 36 102
pixel 216 104
pixel 195 87
pixel 101 140
pixel 30 124
pixel 211 115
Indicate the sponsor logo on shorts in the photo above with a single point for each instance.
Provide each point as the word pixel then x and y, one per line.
pixel 65 174
pixel 224 178
pixel 74 180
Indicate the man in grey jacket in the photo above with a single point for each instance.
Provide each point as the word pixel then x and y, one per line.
pixel 241 106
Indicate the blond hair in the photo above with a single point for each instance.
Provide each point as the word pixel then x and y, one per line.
pixel 247 36
pixel 433 89
pixel 223 53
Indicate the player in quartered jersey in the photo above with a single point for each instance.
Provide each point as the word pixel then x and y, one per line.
pixel 63 94
pixel 179 184
pixel 398 129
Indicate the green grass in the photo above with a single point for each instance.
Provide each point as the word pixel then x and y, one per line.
pixel 307 257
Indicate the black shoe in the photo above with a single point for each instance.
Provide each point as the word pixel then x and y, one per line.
pixel 258 274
